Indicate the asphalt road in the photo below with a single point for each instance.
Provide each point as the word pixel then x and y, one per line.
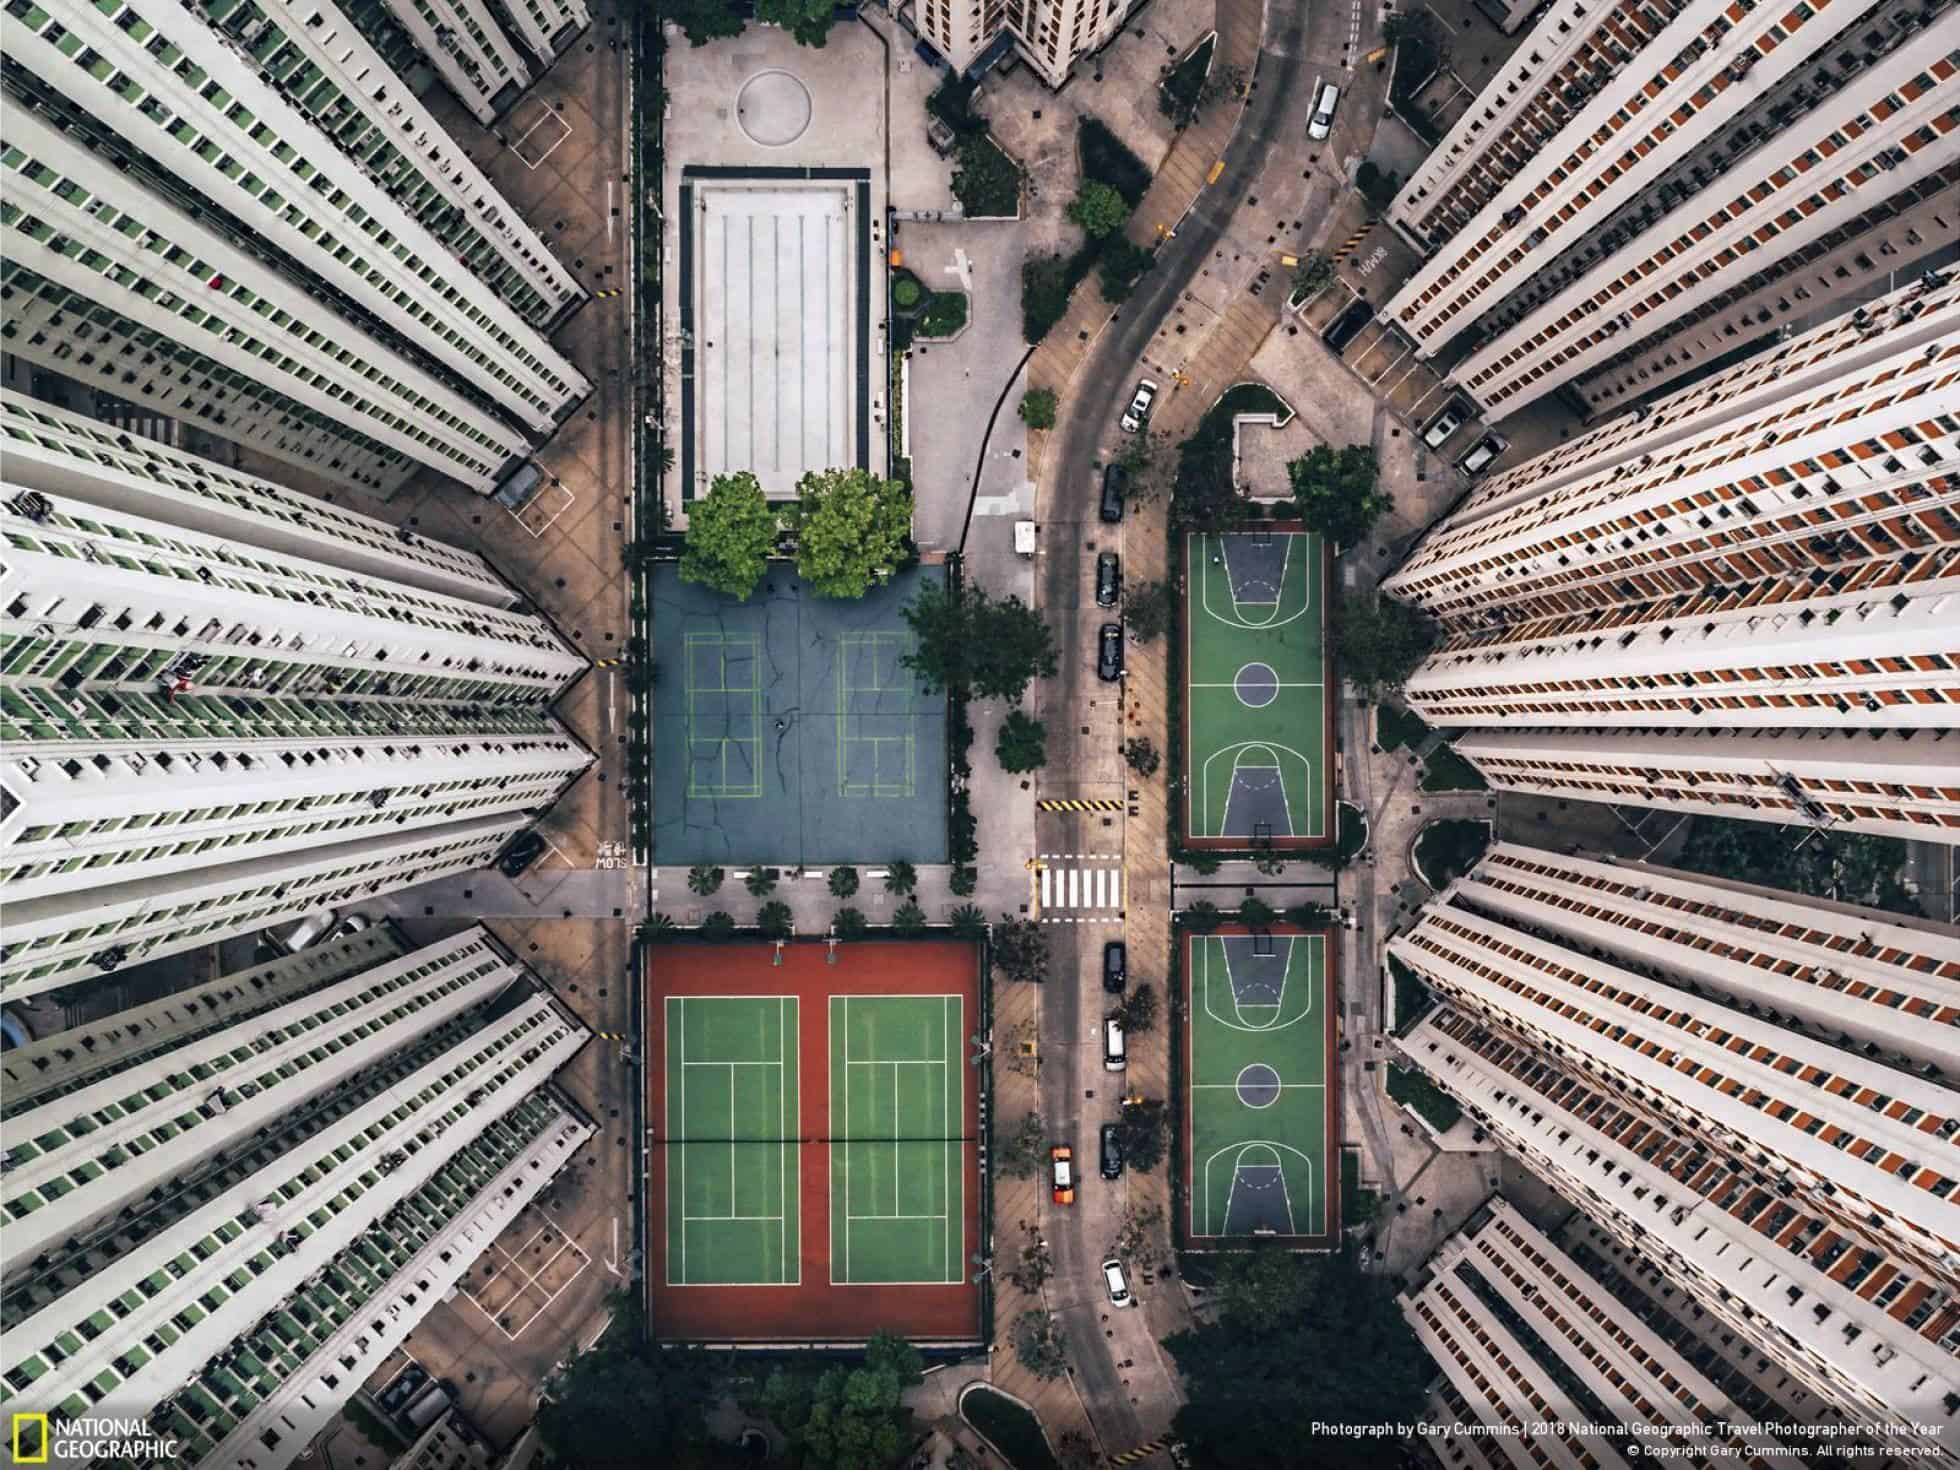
pixel 1078 1238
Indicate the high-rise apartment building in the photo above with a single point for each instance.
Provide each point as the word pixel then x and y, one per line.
pixel 1749 1091
pixel 282 1231
pixel 1050 35
pixel 213 730
pixel 245 220
pixel 1535 1347
pixel 1768 560
pixel 1646 187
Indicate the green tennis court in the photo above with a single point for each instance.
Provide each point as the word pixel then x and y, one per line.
pixel 733 1120
pixel 1256 762
pixel 1258 1110
pixel 897 1193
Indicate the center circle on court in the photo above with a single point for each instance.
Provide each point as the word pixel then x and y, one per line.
pixel 1258 1085
pixel 773 108
pixel 1256 684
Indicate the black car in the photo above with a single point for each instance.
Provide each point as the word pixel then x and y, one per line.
pixel 1109 579
pixel 1116 480
pixel 522 852
pixel 1347 326
pixel 1112 1152
pixel 1116 970
pixel 1109 652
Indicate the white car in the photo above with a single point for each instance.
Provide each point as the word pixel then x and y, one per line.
pixel 1446 423
pixel 1138 413
pixel 1118 1284
pixel 1321 121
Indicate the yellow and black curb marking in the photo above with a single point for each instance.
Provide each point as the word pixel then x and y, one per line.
pixel 1100 805
pixel 1347 246
pixel 1141 1452
pixel 612 1035
pixel 607 663
pixel 603 295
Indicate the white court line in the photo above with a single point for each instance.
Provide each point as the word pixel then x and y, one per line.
pixel 1283 1087
pixel 1283 684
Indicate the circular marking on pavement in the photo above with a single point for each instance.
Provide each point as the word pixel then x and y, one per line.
pixel 1258 1086
pixel 1256 684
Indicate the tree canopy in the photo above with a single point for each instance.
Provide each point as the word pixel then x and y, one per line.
pixel 1298 1340
pixel 969 642
pixel 1038 408
pixel 1338 491
pixel 1852 867
pixel 1141 1130
pixel 850 529
pixel 845 1418
pixel 1099 209
pixel 1022 744
pixel 619 1394
pixel 730 532
pixel 702 21
pixel 808 20
pixel 1380 643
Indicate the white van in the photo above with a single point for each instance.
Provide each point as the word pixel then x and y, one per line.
pixel 1321 122
pixel 1118 1284
pixel 1113 1055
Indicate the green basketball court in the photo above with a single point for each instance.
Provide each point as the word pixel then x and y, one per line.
pixel 733 1121
pixel 897 1191
pixel 1258 1110
pixel 1256 740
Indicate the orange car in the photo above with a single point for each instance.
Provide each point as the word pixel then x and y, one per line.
pixel 1062 1157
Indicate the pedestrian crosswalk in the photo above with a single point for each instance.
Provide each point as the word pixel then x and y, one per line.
pixel 1081 888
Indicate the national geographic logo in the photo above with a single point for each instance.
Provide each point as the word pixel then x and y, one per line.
pixel 83 1441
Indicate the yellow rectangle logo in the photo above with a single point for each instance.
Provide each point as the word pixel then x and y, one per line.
pixel 31 1447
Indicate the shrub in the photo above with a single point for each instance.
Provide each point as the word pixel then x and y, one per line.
pixel 1098 209
pixel 1020 1153
pixel 1201 917
pixel 1255 912
pixel 1141 756
pixel 901 878
pixel 906 291
pixel 969 923
pixel 1022 744
pixel 704 879
pixel 1038 408
pixel 964 880
pixel 944 315
pixel 761 882
pixel 1045 288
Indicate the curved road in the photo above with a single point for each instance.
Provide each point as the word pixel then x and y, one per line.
pixel 1081 743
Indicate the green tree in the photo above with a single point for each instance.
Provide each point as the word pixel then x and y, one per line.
pixel 843 882
pixel 1312 916
pixel 986 181
pixel 1021 1153
pixel 1020 949
pixel 1380 642
pixel 808 20
pixel 775 920
pixel 761 882
pixel 718 925
pixel 1045 287
pixel 969 643
pixel 901 877
pixel 1851 867
pixel 705 878
pixel 1140 1129
pixel 1255 912
pixel 846 1418
pixel 909 919
pixel 730 532
pixel 851 530
pixel 701 21
pixel 1141 755
pixel 969 923
pixel 1099 209
pixel 656 929
pixel 1038 408
pixel 1038 1345
pixel 1147 611
pixel 1314 272
pixel 1022 744
pixel 964 880
pixel 622 1393
pixel 1338 492
pixel 1119 265
pixel 1201 917
pixel 1204 494
pixel 1139 1010
pixel 1298 1342
pixel 849 923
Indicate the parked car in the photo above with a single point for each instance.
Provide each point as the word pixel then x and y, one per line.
pixel 522 852
pixel 1115 1058
pixel 1117 1282
pixel 1109 579
pixel 1109 652
pixel 1115 967
pixel 1482 453
pixel 1116 481
pixel 1320 122
pixel 1112 1151
pixel 1347 326
pixel 1138 413
pixel 1061 1160
pixel 1445 423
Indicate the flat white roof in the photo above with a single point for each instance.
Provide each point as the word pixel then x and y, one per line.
pixel 775 322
